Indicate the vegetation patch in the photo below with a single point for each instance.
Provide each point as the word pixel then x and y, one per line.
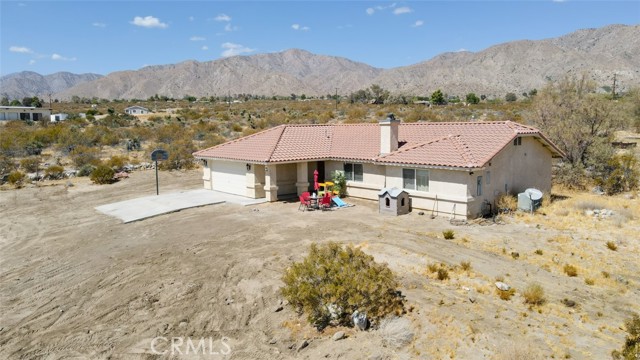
pixel 534 294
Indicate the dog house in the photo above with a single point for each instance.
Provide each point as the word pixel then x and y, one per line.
pixel 393 201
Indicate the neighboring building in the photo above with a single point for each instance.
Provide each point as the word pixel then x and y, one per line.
pixel 23 113
pixel 59 117
pixel 444 167
pixel 136 110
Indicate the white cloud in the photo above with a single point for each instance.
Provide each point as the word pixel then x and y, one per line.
pixel 191 18
pixel 222 17
pixel 370 11
pixel 204 47
pixel 58 57
pixel 402 10
pixel 197 38
pixel 230 28
pixel 299 27
pixel 99 24
pixel 31 62
pixel 232 49
pixel 418 23
pixel 148 22
pixel 22 4
pixel 20 49
pixel 462 50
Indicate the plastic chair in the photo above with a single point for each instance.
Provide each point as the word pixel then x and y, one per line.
pixel 304 203
pixel 325 202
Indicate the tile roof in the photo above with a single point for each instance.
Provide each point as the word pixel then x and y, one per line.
pixel 457 144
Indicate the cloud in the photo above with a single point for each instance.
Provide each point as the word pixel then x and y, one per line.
pixel 22 4
pixel 197 38
pixel 31 62
pixel 191 18
pixel 232 49
pixel 340 27
pixel 99 24
pixel 230 28
pixel 558 1
pixel 370 11
pixel 20 49
pixel 222 17
pixel 462 50
pixel 148 22
pixel 402 10
pixel 418 23
pixel 58 57
pixel 299 27
pixel 204 47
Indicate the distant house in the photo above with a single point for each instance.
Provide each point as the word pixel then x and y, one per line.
pixel 136 110
pixel 449 168
pixel 23 113
pixel 59 117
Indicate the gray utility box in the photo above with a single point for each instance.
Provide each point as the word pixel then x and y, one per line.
pixel 530 200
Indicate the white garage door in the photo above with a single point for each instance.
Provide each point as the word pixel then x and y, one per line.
pixel 229 177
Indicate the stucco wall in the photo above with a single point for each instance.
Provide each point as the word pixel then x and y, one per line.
pixel 286 179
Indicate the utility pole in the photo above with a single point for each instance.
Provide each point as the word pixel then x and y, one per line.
pixel 336 99
pixel 613 90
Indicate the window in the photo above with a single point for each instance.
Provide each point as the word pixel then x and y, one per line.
pixel 479 186
pixel 517 141
pixel 387 202
pixel 353 172
pixel 487 175
pixel 415 179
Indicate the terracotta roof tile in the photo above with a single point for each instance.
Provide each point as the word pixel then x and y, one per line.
pixel 458 144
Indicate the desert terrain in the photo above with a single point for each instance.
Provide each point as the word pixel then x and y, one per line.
pixel 79 284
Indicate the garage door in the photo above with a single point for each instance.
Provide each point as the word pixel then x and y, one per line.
pixel 229 177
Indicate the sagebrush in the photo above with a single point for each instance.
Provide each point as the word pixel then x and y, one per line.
pixel 333 281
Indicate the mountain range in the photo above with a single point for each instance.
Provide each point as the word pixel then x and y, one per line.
pixel 516 66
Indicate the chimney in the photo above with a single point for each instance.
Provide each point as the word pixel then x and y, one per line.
pixel 388 135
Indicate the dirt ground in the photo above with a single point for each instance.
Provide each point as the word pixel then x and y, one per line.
pixel 79 284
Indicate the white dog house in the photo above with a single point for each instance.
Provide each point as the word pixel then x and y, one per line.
pixel 394 201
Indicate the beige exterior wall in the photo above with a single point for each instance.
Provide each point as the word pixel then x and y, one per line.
pixel 287 178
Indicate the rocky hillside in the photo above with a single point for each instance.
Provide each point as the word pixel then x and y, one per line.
pixel 524 65
pixel 29 83
pixel 516 66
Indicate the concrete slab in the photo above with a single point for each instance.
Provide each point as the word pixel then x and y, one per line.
pixel 150 206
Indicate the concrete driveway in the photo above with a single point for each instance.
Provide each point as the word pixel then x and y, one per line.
pixel 150 206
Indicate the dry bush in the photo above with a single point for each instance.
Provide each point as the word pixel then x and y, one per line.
pixel 631 347
pixel 589 281
pixel 396 332
pixel 16 178
pixel 448 234
pixel 534 294
pixel 117 163
pixel 443 274
pixel 102 174
pixel 506 203
pixel 584 205
pixel 30 164
pixel 612 245
pixel 465 265
pixel 570 270
pixel 433 267
pixel 506 295
pixel 54 172
pixel 538 252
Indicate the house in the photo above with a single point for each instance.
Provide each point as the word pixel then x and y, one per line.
pixel 23 113
pixel 136 110
pixel 59 117
pixel 449 168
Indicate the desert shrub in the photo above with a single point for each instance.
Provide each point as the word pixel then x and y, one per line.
pixel 448 234
pixel 83 155
pixel 117 162
pixel 16 178
pixel 534 294
pixel 465 265
pixel 589 281
pixel 54 172
pixel 332 281
pixel 102 174
pixel 506 295
pixel 443 274
pixel 340 183
pixel 433 267
pixel 85 170
pixel 612 245
pixel 180 155
pixel 631 347
pixel 30 164
pixel 585 205
pixel 570 270
pixel 506 203
pixel 7 165
pixel 538 251
pixel 621 174
pixel 396 332
pixel 236 127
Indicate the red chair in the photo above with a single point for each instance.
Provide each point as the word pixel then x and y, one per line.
pixel 304 203
pixel 325 202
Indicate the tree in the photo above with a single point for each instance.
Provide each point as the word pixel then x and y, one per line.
pixel 510 97
pixel 378 94
pixel 580 122
pixel 437 98
pixel 4 101
pixel 472 98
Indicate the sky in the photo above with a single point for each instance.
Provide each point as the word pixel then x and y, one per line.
pixel 106 36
